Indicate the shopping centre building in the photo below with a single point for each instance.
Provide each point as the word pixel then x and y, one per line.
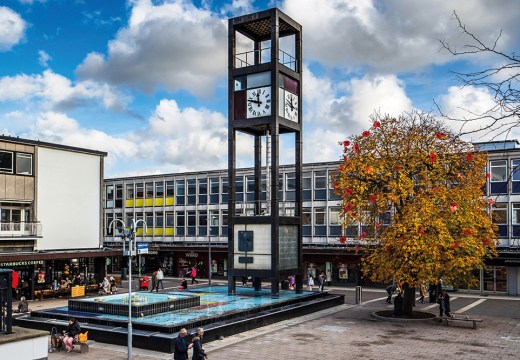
pixel 186 219
pixel 55 210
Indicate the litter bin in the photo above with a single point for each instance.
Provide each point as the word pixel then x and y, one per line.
pixel 124 274
pixel 359 295
pixel 285 285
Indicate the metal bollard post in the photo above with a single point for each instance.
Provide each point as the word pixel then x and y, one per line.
pixel 359 295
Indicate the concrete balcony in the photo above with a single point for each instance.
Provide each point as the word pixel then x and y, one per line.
pixel 20 229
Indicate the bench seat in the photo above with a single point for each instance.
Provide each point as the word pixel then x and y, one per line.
pixel 454 317
pixel 83 346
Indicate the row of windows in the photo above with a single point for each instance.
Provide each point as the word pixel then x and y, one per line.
pixel 500 216
pixel 500 176
pixel 198 223
pixel 16 163
pixel 214 190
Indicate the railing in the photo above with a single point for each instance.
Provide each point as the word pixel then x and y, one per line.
pixel 256 57
pixel 20 229
pixel 285 208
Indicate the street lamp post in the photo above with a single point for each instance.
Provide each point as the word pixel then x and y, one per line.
pixel 130 234
pixel 209 260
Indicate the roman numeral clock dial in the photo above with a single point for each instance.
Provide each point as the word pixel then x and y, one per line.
pixel 259 102
pixel 291 106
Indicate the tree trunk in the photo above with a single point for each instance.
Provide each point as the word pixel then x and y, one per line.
pixel 409 300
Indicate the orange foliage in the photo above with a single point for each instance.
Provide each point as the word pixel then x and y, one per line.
pixel 419 174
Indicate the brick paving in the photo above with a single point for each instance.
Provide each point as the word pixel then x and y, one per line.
pixel 349 332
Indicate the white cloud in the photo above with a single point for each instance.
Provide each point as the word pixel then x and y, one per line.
pixel 55 91
pixel 12 28
pixel 400 35
pixel 467 103
pixel 336 111
pixel 43 58
pixel 61 129
pixel 172 45
pixel 189 138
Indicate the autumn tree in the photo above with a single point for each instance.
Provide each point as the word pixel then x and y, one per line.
pixel 417 189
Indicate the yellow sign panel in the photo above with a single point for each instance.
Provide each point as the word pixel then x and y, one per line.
pixel 78 291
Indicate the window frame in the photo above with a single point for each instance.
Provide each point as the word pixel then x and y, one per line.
pixel 27 156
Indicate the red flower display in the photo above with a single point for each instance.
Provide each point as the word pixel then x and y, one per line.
pixel 454 246
pixel 488 175
pixel 467 231
pixel 355 148
pixel 377 124
pixel 454 206
pixel 346 143
pixel 421 231
pixel 369 170
pixel 358 248
pixel 486 242
pixel 470 157
pixel 348 191
pixel 491 202
pixel 433 157
pixel 342 239
pixel 363 234
pixel 348 207
pixel 373 198
pixel 366 133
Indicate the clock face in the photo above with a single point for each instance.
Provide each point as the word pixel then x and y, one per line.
pixel 291 106
pixel 259 102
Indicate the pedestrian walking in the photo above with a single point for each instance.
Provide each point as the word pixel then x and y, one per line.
pixel 194 275
pixel 432 293
pixel 310 278
pixel 160 277
pixel 181 346
pixel 198 351
pixel 444 303
pixel 329 278
pixel 292 282
pixel 154 282
pixel 321 282
pixel 422 291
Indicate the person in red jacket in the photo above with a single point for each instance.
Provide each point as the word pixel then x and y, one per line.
pixel 194 275
pixel 143 284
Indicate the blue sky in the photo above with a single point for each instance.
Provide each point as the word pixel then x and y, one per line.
pixel 146 81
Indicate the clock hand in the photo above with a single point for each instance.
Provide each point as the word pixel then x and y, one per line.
pixel 255 101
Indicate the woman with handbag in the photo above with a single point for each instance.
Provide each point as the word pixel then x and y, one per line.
pixel 198 351
pixel 72 330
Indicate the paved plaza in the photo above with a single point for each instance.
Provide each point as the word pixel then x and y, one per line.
pixel 349 332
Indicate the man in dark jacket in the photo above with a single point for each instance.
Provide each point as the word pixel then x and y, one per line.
pixel 181 347
pixel 444 303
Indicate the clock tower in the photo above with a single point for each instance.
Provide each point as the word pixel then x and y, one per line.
pixel 265 88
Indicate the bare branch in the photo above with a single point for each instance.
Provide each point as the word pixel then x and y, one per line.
pixel 502 82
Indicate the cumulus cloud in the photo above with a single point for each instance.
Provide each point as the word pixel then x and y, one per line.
pixel 189 138
pixel 172 45
pixel 335 111
pixel 54 91
pixel 59 128
pixel 12 28
pixel 467 103
pixel 401 35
